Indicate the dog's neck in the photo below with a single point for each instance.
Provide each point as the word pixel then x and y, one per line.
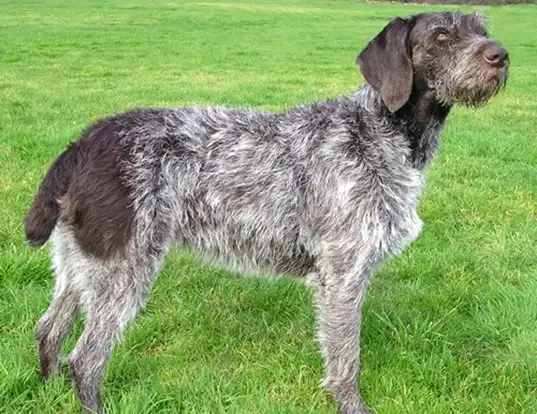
pixel 420 121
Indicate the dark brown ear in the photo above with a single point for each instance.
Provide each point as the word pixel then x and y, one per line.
pixel 386 65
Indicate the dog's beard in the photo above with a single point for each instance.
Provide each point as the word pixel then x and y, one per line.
pixel 472 85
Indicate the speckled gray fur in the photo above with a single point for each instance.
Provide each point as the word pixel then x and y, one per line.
pixel 326 192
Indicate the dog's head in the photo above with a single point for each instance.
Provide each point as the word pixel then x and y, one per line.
pixel 448 53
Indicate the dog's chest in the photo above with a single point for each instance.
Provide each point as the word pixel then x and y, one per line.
pixel 379 208
pixel 403 224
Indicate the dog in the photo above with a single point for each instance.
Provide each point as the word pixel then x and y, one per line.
pixel 326 192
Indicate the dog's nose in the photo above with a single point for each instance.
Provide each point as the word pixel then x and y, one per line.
pixel 495 54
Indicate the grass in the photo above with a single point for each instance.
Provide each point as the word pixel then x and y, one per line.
pixel 450 326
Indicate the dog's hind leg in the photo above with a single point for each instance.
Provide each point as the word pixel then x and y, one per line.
pixel 56 323
pixel 116 290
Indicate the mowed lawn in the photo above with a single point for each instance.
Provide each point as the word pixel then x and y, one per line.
pixel 450 326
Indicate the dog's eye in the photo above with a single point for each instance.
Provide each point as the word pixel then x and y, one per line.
pixel 441 36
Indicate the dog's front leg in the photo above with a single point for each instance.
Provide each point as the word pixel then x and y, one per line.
pixel 339 300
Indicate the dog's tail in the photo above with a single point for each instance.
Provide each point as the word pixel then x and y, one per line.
pixel 43 215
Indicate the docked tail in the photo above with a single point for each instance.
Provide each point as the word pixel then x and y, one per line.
pixel 43 215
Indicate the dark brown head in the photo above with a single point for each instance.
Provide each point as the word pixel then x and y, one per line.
pixel 447 53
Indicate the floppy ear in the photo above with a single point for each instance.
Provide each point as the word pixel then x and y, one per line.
pixel 386 65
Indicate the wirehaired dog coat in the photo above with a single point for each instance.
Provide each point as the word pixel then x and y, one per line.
pixel 328 190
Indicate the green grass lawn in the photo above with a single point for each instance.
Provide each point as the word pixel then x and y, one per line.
pixel 450 326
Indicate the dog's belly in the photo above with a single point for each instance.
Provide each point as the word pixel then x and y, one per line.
pixel 248 238
pixel 251 256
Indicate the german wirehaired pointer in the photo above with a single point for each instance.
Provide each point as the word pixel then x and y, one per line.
pixel 328 191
